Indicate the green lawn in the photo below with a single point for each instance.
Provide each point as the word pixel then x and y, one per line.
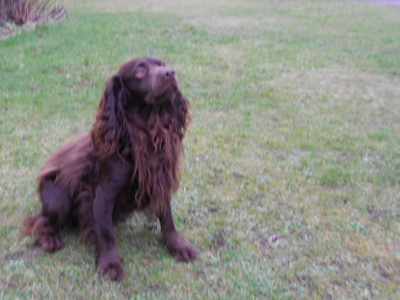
pixel 291 177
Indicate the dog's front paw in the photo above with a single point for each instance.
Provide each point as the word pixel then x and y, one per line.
pixel 111 268
pixel 180 248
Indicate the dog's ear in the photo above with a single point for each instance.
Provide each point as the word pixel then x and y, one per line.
pixel 107 128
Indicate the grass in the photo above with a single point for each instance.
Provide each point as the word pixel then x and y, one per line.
pixel 291 180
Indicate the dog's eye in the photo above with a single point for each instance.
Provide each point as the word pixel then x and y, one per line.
pixel 140 72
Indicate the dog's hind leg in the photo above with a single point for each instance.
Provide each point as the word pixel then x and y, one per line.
pixel 56 212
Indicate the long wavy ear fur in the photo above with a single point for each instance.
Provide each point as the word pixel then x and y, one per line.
pixel 106 129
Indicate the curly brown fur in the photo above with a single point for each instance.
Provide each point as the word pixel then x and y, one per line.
pixel 128 161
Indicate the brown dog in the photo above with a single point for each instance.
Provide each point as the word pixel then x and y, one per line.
pixel 129 161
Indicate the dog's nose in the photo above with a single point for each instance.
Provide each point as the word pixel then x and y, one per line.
pixel 169 73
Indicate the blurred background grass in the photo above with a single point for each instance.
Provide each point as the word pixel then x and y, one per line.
pixel 290 184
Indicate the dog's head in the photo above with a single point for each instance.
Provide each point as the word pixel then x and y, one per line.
pixel 148 80
pixel 142 84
